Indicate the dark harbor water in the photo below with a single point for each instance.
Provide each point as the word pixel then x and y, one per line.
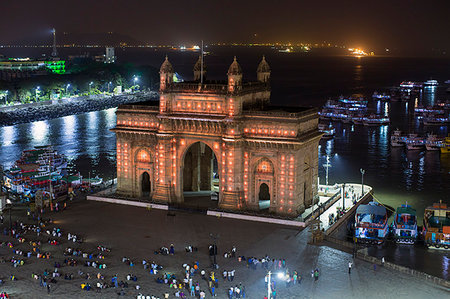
pixel 298 79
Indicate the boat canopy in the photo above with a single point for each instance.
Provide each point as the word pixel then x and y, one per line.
pixel 406 210
pixel 371 209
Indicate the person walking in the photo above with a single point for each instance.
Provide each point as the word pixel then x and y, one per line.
pixel 316 275
pixel 382 261
pixel 349 267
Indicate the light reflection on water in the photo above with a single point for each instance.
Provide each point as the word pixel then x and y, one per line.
pixel 85 139
pixel 39 132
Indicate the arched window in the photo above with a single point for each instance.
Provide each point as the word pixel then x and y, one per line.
pixel 265 166
pixel 143 156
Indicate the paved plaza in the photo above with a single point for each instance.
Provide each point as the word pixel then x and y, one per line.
pixel 137 232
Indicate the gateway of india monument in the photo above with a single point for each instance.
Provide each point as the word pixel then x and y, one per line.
pixel 221 136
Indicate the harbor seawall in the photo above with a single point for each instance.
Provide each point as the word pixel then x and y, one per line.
pixel 389 265
pixel 12 115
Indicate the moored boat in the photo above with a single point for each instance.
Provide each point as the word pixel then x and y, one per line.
pixel 445 148
pixel 371 223
pixel 436 226
pixel 404 226
pixel 436 121
pixel 328 131
pixel 433 143
pixel 430 83
pixel 374 120
pixel 397 139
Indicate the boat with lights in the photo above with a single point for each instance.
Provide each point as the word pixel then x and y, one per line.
pixel 436 226
pixel 371 223
pixel 375 120
pixel 404 226
pixel 397 140
pixel 328 131
pixel 430 83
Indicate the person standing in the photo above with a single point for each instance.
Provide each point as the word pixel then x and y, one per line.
pixel 349 267
pixel 382 261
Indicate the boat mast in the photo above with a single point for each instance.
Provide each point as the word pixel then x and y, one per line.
pixel 201 69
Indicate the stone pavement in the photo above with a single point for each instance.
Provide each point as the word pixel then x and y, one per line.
pixel 136 232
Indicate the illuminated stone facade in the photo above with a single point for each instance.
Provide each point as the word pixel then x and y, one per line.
pixel 223 131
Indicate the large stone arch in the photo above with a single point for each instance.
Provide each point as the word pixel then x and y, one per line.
pixel 186 145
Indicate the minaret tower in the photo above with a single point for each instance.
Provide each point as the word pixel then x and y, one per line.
pixel 234 76
pixel 263 71
pixel 54 52
pixel 165 74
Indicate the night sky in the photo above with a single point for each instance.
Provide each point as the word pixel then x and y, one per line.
pixel 404 24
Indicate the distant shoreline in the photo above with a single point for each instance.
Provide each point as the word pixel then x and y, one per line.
pixel 13 115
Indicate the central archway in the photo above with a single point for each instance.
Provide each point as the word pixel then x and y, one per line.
pixel 200 180
pixel 264 196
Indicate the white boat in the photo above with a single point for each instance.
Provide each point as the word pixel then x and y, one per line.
pixel 358 120
pixel 397 139
pixel 328 132
pixel 381 96
pixel 433 143
pixel 430 83
pixel 414 144
pixel 374 120
pixel 436 121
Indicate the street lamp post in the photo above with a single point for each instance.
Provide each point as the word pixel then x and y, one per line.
pixel 67 87
pixel 8 201
pixel 268 285
pixel 37 92
pixel 6 97
pixel 214 237
pixel 327 166
pixel 136 79
pixel 90 84
pixel 109 83
pixel 362 181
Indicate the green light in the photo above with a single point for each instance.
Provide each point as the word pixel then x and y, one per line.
pixel 57 67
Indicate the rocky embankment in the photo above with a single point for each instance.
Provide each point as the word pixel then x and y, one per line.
pixel 47 110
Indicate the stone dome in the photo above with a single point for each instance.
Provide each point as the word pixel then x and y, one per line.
pixel 263 66
pixel 235 68
pixel 166 67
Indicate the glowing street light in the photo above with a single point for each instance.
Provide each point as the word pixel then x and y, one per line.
pixel 109 83
pixel 67 86
pixel 37 92
pixel 90 84
pixel 362 181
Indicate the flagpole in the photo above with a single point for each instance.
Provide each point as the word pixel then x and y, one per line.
pixel 201 72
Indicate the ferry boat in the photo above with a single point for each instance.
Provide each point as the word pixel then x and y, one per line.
pixel 413 142
pixel 397 139
pixel 328 132
pixel 436 226
pixel 381 96
pixel 374 120
pixel 404 226
pixel 433 143
pixel 445 148
pixel 38 169
pixel 409 85
pixel 436 121
pixel 430 83
pixel 371 223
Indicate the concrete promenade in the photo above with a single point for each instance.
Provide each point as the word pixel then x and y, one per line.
pixel 135 233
